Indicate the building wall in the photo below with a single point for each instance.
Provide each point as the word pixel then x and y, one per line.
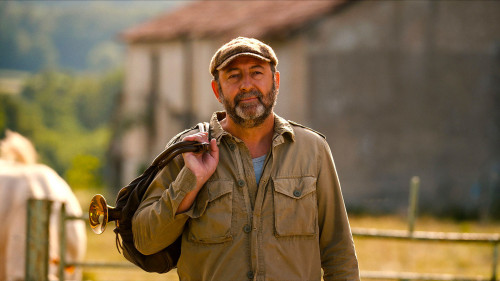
pixel 293 102
pixel 205 102
pixel 172 103
pixel 133 136
pixel 404 88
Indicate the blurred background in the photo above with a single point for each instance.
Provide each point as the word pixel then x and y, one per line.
pixel 399 89
pixel 61 74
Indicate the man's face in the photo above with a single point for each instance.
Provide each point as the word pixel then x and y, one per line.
pixel 247 89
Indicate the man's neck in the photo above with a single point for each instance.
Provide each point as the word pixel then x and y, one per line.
pixel 257 139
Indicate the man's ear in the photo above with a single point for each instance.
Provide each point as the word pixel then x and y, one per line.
pixel 277 80
pixel 215 89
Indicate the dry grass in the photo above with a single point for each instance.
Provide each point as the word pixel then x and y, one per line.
pixel 469 259
pixel 102 248
pixel 373 254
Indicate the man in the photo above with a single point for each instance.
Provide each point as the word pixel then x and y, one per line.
pixel 265 203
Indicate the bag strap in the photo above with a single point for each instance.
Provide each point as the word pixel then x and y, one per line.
pixel 184 146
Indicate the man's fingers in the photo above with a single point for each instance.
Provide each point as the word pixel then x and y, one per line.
pixel 214 150
pixel 199 137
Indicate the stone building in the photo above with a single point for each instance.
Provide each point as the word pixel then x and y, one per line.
pixel 399 88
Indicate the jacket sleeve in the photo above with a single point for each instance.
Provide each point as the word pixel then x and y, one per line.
pixel 338 256
pixel 155 224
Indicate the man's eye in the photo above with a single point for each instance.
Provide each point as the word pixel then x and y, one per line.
pixel 257 74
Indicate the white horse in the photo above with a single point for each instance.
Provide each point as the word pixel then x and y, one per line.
pixel 21 179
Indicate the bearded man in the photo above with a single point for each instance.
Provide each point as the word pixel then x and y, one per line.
pixel 265 202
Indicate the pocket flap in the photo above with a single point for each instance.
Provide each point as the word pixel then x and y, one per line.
pixel 210 192
pixel 218 188
pixel 295 187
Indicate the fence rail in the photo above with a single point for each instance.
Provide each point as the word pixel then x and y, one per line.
pixel 427 236
pixel 418 276
pixel 439 237
pixel 62 248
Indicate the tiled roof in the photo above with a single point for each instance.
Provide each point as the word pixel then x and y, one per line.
pixel 232 18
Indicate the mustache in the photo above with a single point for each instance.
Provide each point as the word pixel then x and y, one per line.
pixel 245 95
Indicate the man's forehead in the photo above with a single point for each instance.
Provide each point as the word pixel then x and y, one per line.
pixel 245 61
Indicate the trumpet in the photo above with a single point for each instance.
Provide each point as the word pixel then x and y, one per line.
pixel 100 213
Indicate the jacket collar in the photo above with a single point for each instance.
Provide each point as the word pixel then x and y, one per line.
pixel 281 128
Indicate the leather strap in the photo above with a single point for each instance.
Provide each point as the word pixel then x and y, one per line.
pixel 182 147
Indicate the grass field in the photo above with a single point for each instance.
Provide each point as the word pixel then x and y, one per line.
pixel 373 254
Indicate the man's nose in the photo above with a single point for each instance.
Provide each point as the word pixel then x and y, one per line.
pixel 246 83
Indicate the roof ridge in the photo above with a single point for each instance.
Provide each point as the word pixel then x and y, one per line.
pixel 249 18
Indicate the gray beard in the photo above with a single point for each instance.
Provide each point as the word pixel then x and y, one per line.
pixel 250 116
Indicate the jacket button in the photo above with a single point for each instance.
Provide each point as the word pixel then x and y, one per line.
pixel 250 275
pixel 232 146
pixel 247 228
pixel 241 183
pixel 297 193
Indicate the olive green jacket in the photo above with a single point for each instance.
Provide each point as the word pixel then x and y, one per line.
pixel 286 227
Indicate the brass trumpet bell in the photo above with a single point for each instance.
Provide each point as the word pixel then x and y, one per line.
pixel 100 213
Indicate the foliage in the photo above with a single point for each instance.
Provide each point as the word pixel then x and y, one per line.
pixel 8 113
pixel 84 172
pixel 67 117
pixel 78 35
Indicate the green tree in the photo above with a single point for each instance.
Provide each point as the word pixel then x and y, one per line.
pixel 77 35
pixel 67 117
pixel 84 172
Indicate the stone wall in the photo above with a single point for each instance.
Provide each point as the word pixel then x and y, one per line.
pixel 404 88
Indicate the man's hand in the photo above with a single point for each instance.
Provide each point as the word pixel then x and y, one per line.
pixel 202 165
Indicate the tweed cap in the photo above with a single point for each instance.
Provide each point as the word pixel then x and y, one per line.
pixel 241 46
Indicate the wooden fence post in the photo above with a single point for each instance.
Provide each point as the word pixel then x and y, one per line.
pixel 62 242
pixel 495 262
pixel 413 203
pixel 37 237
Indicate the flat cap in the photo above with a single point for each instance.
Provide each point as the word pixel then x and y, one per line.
pixel 241 46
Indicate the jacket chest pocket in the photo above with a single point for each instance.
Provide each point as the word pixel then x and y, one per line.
pixel 211 221
pixel 295 206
